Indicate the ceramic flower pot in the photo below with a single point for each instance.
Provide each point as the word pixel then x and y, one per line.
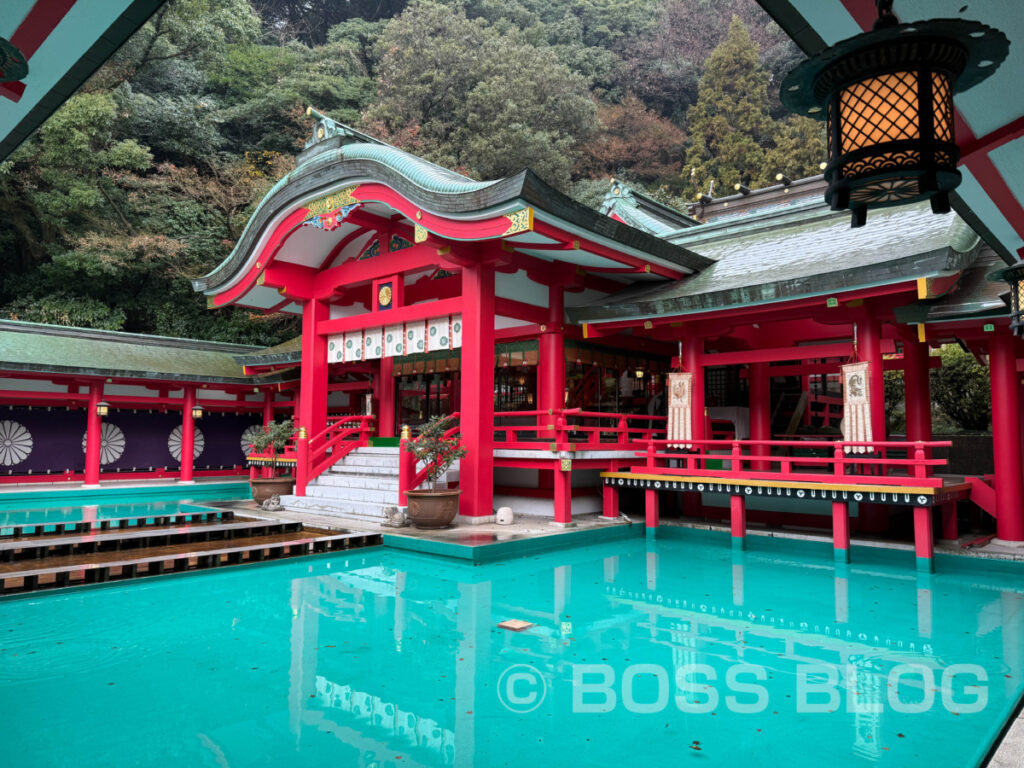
pixel 433 509
pixel 264 488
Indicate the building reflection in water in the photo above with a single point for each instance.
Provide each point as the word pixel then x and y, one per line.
pixel 400 655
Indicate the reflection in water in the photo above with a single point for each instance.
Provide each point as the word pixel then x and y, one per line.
pixel 638 649
pixel 669 606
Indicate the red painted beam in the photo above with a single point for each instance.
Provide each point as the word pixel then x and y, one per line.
pixel 807 352
pixel 520 310
pixel 292 280
pixel 38 24
pixel 353 272
pixel 391 316
pixel 517 333
pixel 990 141
pixel 549 230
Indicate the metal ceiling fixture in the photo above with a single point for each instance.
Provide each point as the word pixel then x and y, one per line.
pixel 888 98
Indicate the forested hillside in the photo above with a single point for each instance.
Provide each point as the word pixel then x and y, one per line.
pixel 147 176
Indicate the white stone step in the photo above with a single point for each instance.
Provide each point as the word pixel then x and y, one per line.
pixel 376 481
pixel 369 512
pixel 361 495
pixel 376 450
pixel 370 460
pixel 344 469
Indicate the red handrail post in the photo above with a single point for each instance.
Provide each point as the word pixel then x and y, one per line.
pixel 406 467
pixel 737 457
pixel 561 431
pixel 921 470
pixel 652 455
pixel 301 462
pixel 839 455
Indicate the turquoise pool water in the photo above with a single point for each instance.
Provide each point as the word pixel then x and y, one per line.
pixel 383 658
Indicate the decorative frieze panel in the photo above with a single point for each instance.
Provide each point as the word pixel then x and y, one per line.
pixel 820 493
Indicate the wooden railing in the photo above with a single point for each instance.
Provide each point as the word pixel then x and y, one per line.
pixel 315 454
pixel 574 429
pixel 409 478
pixel 877 463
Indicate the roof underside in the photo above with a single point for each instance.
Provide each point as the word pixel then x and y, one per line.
pixel 63 50
pixel 37 348
pixel 807 252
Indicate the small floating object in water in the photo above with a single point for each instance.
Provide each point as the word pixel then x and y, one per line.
pixel 516 625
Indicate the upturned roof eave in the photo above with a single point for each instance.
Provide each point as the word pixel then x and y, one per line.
pixel 331 168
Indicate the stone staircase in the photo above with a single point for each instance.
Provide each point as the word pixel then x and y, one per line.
pixel 359 486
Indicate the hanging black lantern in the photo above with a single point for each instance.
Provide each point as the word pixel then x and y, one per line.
pixel 888 98
pixel 1015 277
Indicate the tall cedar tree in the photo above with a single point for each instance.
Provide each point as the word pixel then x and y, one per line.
pixel 733 137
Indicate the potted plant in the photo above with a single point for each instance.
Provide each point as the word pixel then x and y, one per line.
pixel 272 441
pixel 435 508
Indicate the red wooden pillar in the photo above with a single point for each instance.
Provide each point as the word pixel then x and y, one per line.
pixel 476 473
pixel 268 407
pixel 653 516
pixel 760 412
pixel 563 496
pixel 924 546
pixel 870 331
pixel 916 391
pixel 188 435
pixel 610 495
pixel 738 520
pixel 873 517
pixel 386 419
pixel 841 531
pixel 1006 442
pixel 312 394
pixel 93 435
pixel 693 353
pixel 551 369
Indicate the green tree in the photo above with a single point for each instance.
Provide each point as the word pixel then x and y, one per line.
pixel 733 135
pixel 464 95
pixel 729 126
pixel 960 388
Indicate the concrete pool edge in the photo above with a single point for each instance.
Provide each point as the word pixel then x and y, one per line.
pixel 512 548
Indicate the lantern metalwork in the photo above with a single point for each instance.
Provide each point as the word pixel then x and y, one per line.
pixel 197 411
pixel 887 97
pixel 102 408
pixel 1014 275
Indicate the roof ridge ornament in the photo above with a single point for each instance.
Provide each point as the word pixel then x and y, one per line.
pixel 887 96
pixel 327 128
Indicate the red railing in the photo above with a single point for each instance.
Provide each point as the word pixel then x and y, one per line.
pixel 408 477
pixel 775 460
pixel 315 454
pixel 574 429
